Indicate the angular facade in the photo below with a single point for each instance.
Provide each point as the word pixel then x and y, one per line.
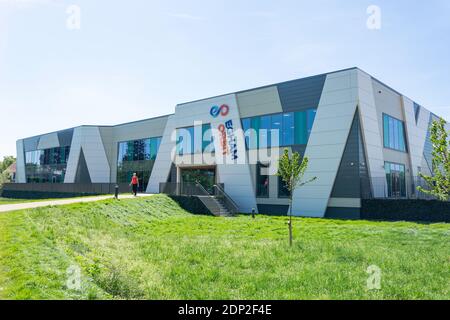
pixel 363 140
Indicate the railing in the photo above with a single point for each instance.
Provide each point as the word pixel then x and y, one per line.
pixel 228 202
pixel 183 189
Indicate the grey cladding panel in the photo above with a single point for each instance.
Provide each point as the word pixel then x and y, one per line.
pixel 82 175
pixel 352 174
pixel 301 94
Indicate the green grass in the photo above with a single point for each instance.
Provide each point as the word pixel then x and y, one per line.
pixel 152 249
pixel 4 201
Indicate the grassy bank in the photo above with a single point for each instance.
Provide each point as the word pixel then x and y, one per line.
pixel 152 249
pixel 4 201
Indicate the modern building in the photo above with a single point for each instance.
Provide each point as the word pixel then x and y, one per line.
pixel 363 140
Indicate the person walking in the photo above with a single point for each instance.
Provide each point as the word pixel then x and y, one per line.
pixel 135 184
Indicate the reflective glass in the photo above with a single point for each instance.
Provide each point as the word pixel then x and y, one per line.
pixel 288 129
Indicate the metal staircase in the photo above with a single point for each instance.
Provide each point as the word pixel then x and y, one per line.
pixel 219 203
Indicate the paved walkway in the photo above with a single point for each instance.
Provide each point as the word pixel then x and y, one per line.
pixel 31 205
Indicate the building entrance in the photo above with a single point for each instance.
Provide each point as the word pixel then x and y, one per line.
pixel 205 176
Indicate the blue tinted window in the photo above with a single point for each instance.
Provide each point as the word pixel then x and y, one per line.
pixel 264 132
pixel 288 129
pixel 284 129
pixel 394 134
pixel 310 117
pixel 195 140
pixel 208 139
pixel 246 125
pixel 277 126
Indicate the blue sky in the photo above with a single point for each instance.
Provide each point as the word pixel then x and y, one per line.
pixel 137 59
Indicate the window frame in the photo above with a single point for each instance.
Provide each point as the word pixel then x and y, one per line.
pixel 393 132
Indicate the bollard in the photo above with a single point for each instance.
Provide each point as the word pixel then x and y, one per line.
pixel 116 192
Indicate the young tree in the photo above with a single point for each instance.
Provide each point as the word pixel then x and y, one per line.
pixel 439 182
pixel 291 170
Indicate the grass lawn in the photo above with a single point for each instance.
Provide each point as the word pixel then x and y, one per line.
pixel 152 249
pixel 15 201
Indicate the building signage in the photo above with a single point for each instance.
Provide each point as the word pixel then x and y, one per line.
pixel 228 141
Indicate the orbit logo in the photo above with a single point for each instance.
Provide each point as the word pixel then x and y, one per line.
pixel 223 110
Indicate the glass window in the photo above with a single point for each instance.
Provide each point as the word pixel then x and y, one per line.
pixel 137 156
pixel 301 132
pixel 262 181
pixel 46 166
pixel 396 180
pixel 246 126
pixel 208 139
pixel 311 117
pixel 195 140
pixel 386 130
pixel 284 129
pixel 277 125
pixel 394 134
pixel 288 129
pixel 264 132
pixel 254 141
pixel 283 192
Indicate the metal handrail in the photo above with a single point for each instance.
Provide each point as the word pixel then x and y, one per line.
pixel 202 188
pixel 231 205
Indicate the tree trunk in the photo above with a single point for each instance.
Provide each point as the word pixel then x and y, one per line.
pixel 290 222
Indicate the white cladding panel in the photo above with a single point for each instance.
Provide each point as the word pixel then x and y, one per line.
pixel 90 141
pixel 370 130
pixel 165 157
pixel 327 142
pixel 20 168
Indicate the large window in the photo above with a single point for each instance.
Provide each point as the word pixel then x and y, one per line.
pixel 293 128
pixel 283 191
pixel 192 140
pixel 137 156
pixel 396 180
pixel 394 133
pixel 47 166
pixel 262 181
